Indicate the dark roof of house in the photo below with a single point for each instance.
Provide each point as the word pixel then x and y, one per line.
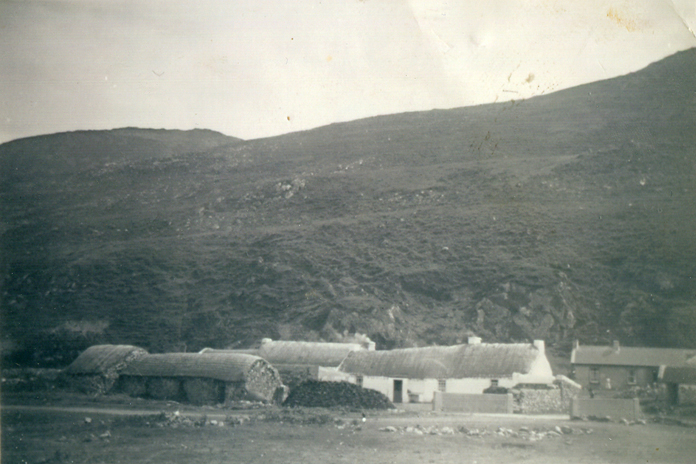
pixel 679 374
pixel 281 352
pixel 630 356
pixel 104 359
pixel 228 367
pixel 445 362
pixel 684 374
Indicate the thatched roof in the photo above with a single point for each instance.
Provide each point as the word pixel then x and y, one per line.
pixel 228 367
pixel 103 359
pixel 445 362
pixel 629 356
pixel 280 353
pixel 251 351
pixel 306 353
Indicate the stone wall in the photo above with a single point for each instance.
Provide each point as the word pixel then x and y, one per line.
pixel 204 391
pixel 554 400
pixel 687 395
pixel 540 402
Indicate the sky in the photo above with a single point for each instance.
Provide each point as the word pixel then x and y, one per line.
pixel 257 68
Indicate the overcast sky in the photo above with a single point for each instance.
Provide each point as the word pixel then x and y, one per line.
pixel 254 68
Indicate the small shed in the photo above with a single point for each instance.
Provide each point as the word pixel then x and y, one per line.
pixel 414 374
pixel 97 369
pixel 680 382
pixel 202 378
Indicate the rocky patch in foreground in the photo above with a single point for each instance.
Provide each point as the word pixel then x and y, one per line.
pixel 524 433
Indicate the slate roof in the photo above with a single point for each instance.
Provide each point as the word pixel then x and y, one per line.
pixel 630 356
pixel 295 353
pixel 679 374
pixel 228 367
pixel 104 359
pixel 485 360
pixel 685 375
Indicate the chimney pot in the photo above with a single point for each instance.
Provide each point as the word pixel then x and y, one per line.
pixel 616 346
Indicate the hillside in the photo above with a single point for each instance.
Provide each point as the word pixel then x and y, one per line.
pixel 562 216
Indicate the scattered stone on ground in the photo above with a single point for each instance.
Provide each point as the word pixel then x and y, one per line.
pixel 524 433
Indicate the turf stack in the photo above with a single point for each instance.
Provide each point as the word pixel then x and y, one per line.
pixel 313 393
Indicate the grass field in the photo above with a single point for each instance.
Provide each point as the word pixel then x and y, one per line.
pixel 121 433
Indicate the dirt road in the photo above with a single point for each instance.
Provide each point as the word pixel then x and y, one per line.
pixel 118 434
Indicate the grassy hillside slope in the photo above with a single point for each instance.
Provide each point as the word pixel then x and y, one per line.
pixel 562 216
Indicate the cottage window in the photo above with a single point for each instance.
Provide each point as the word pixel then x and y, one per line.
pixel 359 380
pixel 594 375
pixel 632 376
pixel 442 385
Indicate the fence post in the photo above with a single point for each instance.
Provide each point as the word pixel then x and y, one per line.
pixel 437 401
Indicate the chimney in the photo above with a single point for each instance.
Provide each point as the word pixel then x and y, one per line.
pixel 371 346
pixel 266 340
pixel 576 344
pixel 616 346
pixel 474 340
pixel 540 345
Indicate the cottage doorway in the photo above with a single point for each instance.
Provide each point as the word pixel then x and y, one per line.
pixel 398 391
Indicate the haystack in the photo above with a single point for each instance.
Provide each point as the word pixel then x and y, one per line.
pixel 97 369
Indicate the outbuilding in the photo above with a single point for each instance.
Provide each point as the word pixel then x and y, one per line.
pixel 202 378
pixel 680 382
pixel 298 361
pixel 415 374
pixel 97 369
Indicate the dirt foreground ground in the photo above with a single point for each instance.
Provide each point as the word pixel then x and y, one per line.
pixel 138 433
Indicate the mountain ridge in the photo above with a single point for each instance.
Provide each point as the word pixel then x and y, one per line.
pixel 568 215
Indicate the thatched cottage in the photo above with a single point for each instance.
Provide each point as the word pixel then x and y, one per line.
pixel 201 378
pixel 97 368
pixel 415 374
pixel 298 361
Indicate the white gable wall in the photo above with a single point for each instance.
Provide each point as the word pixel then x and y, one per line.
pixel 332 374
pixel 539 372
